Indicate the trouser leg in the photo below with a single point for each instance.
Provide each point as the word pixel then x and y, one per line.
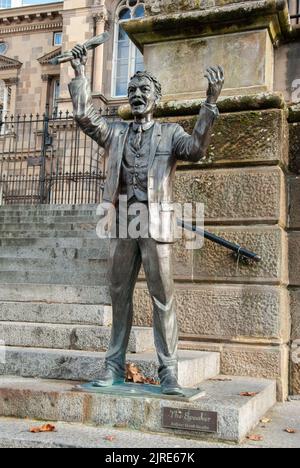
pixel 158 266
pixel 124 267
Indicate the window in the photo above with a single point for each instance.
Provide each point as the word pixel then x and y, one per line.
pixel 57 39
pixel 127 58
pixel 55 96
pixel 3 48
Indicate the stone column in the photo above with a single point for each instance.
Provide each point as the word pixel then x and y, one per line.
pixel 77 28
pixel 100 17
pixel 240 309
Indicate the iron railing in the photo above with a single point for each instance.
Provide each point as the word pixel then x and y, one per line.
pixel 48 160
pixel 294 7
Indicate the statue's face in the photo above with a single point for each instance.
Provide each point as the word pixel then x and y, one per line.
pixel 142 96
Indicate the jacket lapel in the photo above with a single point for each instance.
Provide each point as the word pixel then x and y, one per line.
pixel 155 140
pixel 122 140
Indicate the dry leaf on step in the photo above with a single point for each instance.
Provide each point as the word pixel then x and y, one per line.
pixel 44 428
pixel 248 394
pixel 255 437
pixel 290 431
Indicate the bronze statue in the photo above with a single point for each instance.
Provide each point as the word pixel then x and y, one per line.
pixel 142 158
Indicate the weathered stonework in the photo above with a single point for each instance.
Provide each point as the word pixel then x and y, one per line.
pixel 295 312
pixel 218 312
pixel 216 264
pixel 294 151
pixel 222 50
pixel 295 367
pixel 253 195
pixel 294 264
pixel 294 202
pixel 266 362
pixel 252 360
pixel 245 137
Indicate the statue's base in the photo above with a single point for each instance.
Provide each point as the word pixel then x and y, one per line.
pixel 141 390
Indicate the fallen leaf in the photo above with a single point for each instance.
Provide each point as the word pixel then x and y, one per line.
pixel 109 438
pixel 265 420
pixel 290 431
pixel 248 394
pixel 133 374
pixel 255 437
pixel 45 428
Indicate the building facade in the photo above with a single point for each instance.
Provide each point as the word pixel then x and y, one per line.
pixel 31 35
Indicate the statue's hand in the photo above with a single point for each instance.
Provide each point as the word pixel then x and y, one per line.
pixel 80 59
pixel 215 76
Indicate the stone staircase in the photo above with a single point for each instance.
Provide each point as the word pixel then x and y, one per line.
pixel 55 318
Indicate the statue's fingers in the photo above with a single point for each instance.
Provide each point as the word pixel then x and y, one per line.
pixel 85 51
pixel 221 73
pixel 212 75
pixel 209 77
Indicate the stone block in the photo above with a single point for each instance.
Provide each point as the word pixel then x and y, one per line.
pixel 294 147
pixel 253 195
pixel 219 312
pixel 294 258
pixel 294 202
pixel 295 312
pixel 295 367
pixel 254 49
pixel 214 263
pixel 259 361
pixel 252 137
pixel 255 360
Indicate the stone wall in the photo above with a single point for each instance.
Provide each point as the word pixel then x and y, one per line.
pixel 294 247
pixel 240 309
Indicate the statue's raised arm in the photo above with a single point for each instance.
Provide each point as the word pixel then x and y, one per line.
pixel 88 118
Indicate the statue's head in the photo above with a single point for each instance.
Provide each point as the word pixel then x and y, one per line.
pixel 144 93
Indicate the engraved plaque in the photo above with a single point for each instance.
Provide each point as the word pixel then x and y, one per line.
pixel 190 420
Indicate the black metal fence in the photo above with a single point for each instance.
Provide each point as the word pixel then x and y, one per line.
pixel 48 160
pixel 294 7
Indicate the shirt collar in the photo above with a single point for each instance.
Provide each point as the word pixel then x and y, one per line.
pixel 145 126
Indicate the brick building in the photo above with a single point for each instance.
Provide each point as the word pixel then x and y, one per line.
pixel 31 35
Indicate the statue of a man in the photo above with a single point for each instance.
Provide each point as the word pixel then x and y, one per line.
pixel 142 158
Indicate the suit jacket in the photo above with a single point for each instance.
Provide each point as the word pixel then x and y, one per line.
pixel 169 144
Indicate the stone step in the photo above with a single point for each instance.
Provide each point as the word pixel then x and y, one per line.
pixel 60 293
pixel 46 209
pixel 29 252
pixel 194 367
pixel 58 265
pixel 15 433
pixel 53 277
pixel 76 337
pixel 33 227
pixel 100 315
pixel 57 243
pixel 93 219
pixel 55 401
pixel 48 233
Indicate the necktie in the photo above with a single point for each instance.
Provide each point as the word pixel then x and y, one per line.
pixel 138 138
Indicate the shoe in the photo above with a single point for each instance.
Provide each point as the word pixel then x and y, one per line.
pixel 108 379
pixel 170 386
